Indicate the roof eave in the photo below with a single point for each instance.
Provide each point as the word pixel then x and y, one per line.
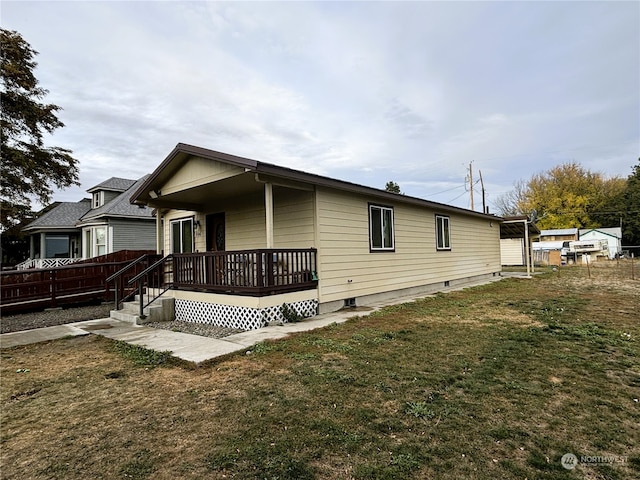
pixel 183 151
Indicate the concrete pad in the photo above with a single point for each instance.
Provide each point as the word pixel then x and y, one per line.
pixel 37 335
pixel 192 348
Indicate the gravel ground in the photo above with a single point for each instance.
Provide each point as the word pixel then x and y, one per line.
pixel 195 328
pixel 49 318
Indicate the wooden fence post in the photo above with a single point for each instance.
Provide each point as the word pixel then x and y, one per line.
pixel 52 287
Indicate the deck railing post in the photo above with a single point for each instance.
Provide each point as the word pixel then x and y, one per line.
pixel 260 270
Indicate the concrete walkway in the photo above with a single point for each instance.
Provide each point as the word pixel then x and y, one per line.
pixel 194 348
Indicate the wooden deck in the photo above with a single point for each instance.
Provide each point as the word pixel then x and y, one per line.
pixel 246 272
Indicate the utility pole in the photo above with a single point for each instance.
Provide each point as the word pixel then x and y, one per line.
pixel 471 184
pixel 484 204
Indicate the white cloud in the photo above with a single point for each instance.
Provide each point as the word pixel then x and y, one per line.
pixel 366 92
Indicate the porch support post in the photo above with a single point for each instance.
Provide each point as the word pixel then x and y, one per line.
pixel 32 246
pixel 268 206
pixel 159 233
pixel 43 245
pixel 528 247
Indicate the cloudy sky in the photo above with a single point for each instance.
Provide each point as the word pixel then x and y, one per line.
pixel 360 91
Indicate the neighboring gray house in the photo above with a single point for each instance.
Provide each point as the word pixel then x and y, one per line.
pixel 106 223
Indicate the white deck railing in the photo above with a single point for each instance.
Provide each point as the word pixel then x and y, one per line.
pixel 46 263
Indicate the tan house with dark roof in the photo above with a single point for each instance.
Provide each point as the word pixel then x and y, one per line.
pixel 243 237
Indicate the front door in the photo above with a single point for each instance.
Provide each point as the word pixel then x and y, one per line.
pixel 215 232
pixel 216 243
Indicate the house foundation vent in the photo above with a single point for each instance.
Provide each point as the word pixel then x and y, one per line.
pixel 446 284
pixel 349 302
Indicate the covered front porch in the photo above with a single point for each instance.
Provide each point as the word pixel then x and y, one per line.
pixel 234 240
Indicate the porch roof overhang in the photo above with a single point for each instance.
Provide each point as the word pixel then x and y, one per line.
pixel 252 179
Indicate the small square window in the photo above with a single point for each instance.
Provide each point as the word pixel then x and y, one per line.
pixel 443 233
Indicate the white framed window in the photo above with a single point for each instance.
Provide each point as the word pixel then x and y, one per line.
pixel 100 241
pixel 381 237
pixel 443 233
pixel 182 235
pixel 98 199
pixel 97 241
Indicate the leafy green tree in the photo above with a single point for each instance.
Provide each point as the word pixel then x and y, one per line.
pixel 393 187
pixel 631 218
pixel 29 169
pixel 568 196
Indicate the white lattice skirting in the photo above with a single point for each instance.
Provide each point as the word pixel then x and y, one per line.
pixel 245 318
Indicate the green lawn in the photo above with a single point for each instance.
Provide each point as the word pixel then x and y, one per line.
pixel 497 381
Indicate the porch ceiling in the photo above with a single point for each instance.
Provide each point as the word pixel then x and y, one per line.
pixel 197 197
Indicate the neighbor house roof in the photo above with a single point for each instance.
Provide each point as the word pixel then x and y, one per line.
pixel 555 245
pixel 615 232
pixel 114 184
pixel 120 206
pixel 559 231
pixel 62 216
pixel 182 152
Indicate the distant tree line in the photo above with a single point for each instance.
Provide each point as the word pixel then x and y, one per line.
pixel 570 196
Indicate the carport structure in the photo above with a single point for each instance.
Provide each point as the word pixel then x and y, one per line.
pixel 521 227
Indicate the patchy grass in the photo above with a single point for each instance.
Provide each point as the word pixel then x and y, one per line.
pixel 498 381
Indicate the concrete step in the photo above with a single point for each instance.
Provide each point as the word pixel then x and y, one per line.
pixel 161 310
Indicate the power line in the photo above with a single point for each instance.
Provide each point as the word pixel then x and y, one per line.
pixel 445 191
pixel 454 199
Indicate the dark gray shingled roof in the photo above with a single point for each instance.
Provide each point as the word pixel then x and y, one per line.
pixel 120 206
pixel 64 215
pixel 114 184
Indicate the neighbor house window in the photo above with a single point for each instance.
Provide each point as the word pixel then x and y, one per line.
pixel 98 199
pixel 182 236
pixel 96 241
pixel 380 228
pixel 443 233
pixel 57 246
pixel 100 246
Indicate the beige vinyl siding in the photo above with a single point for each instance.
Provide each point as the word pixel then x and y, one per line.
pixel 198 171
pixel 512 251
pixel 347 268
pixel 293 218
pixel 245 223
